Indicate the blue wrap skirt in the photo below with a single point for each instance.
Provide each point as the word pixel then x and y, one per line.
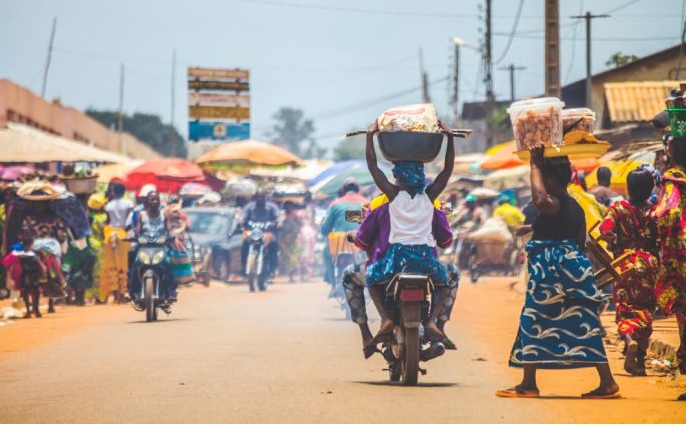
pixel 406 258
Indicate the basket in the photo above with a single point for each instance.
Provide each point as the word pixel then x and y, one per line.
pixel 677 121
pixel 409 145
pixel 80 185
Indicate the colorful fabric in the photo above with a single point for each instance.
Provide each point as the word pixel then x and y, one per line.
pixel 671 228
pixel 406 258
pixel 632 230
pixel 559 326
pixel 288 243
pixel 510 214
pixel 96 242
pixel 115 262
pixel 411 173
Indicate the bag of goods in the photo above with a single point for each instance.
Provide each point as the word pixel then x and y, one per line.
pixel 494 229
pixel 537 122
pixel 420 117
pixel 578 119
pixel 241 187
pixel 410 133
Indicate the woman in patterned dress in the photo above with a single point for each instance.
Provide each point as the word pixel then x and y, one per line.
pixel 630 229
pixel 670 213
pixel 559 326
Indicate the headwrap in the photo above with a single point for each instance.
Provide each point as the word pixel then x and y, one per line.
pixel 411 175
pixel 96 201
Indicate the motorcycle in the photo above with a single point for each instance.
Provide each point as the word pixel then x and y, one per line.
pixel 408 297
pixel 152 274
pixel 257 268
pixel 343 254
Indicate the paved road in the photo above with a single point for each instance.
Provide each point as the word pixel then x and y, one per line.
pixel 284 356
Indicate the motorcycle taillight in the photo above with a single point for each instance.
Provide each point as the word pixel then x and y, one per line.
pixel 407 294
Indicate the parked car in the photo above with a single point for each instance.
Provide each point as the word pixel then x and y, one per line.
pixel 214 242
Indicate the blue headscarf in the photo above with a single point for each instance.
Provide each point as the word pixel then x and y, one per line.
pixel 411 175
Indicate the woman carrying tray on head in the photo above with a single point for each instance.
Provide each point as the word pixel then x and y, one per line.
pixel 559 326
pixel 411 211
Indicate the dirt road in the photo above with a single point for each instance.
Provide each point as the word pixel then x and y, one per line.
pixel 288 356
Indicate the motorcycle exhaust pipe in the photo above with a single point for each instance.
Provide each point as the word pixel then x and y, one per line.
pixel 436 349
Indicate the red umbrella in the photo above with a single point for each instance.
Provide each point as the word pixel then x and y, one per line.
pixel 167 174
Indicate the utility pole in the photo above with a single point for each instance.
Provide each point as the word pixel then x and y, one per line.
pixel 425 79
pixel 588 17
pixel 47 64
pixel 552 49
pixel 512 70
pixel 171 118
pixel 457 42
pixel 488 63
pixel 121 107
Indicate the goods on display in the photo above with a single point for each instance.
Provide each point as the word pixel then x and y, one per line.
pixel 537 122
pixel 582 119
pixel 420 117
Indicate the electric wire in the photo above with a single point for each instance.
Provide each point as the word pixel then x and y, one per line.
pixel 513 32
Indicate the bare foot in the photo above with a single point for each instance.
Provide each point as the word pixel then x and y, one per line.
pixel 432 332
pixel 611 391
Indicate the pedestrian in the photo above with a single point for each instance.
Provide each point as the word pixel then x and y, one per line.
pixel 602 191
pixel 630 230
pixel 288 241
pixel 115 249
pixel 559 327
pixel 99 219
pixel 670 213
pixel 307 240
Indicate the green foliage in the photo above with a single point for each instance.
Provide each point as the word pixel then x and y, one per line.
pixel 619 59
pixel 147 128
pixel 350 148
pixel 291 130
pixel 500 120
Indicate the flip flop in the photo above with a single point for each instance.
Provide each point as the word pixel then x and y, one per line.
pixel 515 393
pixel 449 345
pixel 598 394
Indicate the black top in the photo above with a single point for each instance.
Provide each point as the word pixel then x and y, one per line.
pixel 567 224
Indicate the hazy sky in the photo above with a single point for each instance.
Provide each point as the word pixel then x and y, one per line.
pixel 341 62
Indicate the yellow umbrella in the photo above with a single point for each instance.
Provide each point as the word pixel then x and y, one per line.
pixel 620 170
pixel 243 155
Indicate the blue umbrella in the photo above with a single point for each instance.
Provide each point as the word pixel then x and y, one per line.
pixel 337 168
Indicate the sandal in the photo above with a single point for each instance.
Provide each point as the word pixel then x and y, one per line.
pixel 369 350
pixel 599 394
pixel 515 392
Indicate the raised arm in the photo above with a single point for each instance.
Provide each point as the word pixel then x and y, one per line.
pixel 542 200
pixel 380 179
pixel 435 189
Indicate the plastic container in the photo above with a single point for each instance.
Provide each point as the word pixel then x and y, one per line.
pixel 677 121
pixel 582 119
pixel 410 145
pixel 536 122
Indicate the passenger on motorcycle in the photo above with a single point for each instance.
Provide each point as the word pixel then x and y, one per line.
pixel 150 223
pixel 260 210
pixel 372 236
pixel 411 240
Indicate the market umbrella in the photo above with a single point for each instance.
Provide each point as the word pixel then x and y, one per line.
pixel 167 174
pixel 503 157
pixel 108 172
pixel 243 155
pixel 509 178
pixel 620 171
pixel 332 182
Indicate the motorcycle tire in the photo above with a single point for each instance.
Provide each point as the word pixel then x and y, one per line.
pixel 252 282
pixel 410 358
pixel 150 313
pixel 262 282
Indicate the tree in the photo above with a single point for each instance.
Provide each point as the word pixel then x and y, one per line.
pixel 619 59
pixel 147 128
pixel 291 130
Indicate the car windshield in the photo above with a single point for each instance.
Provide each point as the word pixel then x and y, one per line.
pixel 209 223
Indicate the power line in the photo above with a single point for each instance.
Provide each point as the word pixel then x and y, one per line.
pixel 512 33
pixel 621 7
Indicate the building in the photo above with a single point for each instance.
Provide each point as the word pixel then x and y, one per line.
pixel 20 105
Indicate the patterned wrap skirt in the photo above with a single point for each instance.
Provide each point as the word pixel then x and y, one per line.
pixel 559 326
pixel 406 258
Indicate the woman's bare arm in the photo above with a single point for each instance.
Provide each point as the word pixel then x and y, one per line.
pixel 380 179
pixel 435 189
pixel 542 200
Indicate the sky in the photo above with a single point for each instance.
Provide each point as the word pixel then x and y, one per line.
pixel 342 62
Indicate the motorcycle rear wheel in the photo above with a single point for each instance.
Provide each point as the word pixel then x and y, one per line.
pixel 410 358
pixel 150 313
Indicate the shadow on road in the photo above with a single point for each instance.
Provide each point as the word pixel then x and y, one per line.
pixel 420 384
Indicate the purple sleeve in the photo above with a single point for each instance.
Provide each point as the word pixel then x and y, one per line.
pixel 368 230
pixel 441 229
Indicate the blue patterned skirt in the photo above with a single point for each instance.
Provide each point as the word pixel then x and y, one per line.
pixel 559 326
pixel 406 258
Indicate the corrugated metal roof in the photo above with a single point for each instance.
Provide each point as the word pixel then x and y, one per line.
pixel 636 101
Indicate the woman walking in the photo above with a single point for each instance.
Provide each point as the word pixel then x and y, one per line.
pixel 559 326
pixel 631 232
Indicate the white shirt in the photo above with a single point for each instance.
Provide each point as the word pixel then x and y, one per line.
pixel 411 219
pixel 118 210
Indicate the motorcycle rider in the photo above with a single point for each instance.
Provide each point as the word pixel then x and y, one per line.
pixel 372 236
pixel 151 223
pixel 260 210
pixel 411 241
pixel 334 221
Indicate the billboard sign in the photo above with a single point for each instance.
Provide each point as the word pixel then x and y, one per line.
pixel 218 104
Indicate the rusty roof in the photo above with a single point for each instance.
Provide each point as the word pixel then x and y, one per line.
pixel 636 101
